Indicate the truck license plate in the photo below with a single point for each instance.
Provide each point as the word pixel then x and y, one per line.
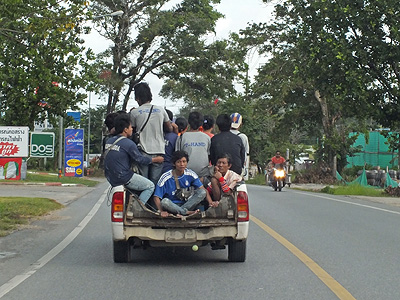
pixel 180 235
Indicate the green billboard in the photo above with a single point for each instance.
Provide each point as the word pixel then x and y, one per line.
pixel 42 144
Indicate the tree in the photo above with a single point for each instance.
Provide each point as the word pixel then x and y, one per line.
pixel 321 70
pixel 41 60
pixel 154 37
pixel 207 76
pixel 97 116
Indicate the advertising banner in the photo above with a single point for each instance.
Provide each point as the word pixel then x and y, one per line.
pixel 14 141
pixel 10 168
pixel 73 145
pixel 42 144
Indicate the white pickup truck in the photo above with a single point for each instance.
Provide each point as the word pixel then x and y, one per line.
pixel 134 226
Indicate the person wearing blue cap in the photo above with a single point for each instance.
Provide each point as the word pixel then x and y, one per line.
pixel 236 123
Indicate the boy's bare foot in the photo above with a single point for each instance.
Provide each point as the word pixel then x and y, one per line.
pixel 164 214
pixel 188 213
pixel 192 212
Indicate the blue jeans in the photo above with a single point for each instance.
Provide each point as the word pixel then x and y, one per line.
pixel 152 171
pixel 140 183
pixel 190 204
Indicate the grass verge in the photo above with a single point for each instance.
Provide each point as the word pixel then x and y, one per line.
pixel 38 177
pixel 355 190
pixel 16 211
pixel 259 179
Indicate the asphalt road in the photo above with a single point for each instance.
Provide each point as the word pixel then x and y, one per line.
pixel 302 246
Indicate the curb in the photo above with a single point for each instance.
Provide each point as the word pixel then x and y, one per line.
pixel 42 183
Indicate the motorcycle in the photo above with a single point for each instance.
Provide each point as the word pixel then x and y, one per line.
pixel 278 178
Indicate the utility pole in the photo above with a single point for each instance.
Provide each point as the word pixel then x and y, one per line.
pixel 60 148
pixel 88 137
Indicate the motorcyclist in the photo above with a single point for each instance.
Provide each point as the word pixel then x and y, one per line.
pixel 275 160
pixel 278 159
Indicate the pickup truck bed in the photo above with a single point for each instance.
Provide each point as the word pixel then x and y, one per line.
pixel 136 226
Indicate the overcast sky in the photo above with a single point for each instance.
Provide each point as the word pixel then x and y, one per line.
pixel 238 13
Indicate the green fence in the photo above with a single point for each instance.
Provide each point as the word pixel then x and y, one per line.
pixel 375 152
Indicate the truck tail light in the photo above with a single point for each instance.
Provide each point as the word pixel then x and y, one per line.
pixel 243 207
pixel 117 207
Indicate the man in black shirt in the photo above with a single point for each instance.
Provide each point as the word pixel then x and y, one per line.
pixel 227 142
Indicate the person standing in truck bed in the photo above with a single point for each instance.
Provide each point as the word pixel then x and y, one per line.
pixel 227 142
pixel 236 125
pixel 196 144
pixel 152 137
pixel 170 141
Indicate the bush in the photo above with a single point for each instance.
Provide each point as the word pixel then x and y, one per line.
pixel 352 172
pixel 258 179
pixel 393 191
pixel 314 175
pixel 353 189
pixel 328 190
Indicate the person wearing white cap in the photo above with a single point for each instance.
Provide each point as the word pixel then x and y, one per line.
pixel 236 123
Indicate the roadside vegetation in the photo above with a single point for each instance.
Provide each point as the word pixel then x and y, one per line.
pixel 337 188
pixel 37 177
pixel 259 179
pixel 42 177
pixel 354 189
pixel 17 211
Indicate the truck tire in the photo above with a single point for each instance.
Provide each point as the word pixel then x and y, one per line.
pixel 237 251
pixel 121 251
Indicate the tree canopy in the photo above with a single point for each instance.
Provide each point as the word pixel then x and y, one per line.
pixel 167 39
pixel 41 59
pixel 333 64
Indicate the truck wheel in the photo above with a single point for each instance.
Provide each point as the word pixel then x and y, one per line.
pixel 121 251
pixel 237 251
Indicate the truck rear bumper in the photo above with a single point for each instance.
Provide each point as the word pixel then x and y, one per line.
pixel 180 235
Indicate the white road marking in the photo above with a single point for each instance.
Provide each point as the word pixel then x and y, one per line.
pixel 17 280
pixel 352 203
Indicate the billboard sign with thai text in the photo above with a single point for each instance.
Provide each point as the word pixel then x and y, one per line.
pixel 14 141
pixel 73 145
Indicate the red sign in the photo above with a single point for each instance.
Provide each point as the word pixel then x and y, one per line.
pixel 10 168
pixel 8 149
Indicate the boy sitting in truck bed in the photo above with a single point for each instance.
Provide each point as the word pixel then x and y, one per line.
pixel 173 193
